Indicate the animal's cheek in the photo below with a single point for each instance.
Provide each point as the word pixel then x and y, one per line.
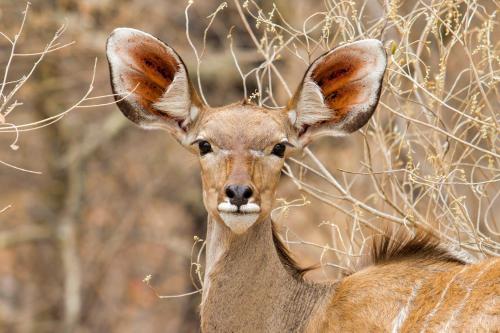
pixel 268 171
pixel 213 171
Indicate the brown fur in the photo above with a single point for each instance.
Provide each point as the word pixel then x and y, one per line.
pixel 372 299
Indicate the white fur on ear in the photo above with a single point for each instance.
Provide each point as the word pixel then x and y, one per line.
pixel 311 105
pixel 176 101
pixel 121 62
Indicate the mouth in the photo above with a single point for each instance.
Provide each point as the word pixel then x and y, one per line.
pixel 228 208
pixel 239 219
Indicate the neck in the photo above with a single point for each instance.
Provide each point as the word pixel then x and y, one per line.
pixel 250 286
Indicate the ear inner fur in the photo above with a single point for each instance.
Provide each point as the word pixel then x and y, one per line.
pixel 147 60
pixel 150 81
pixel 340 90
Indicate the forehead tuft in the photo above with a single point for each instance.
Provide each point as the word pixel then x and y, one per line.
pixel 244 126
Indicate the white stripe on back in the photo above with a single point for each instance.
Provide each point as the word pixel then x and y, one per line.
pixel 441 299
pixel 461 306
pixel 399 320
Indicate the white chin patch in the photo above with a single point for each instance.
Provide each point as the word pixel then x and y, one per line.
pixel 238 222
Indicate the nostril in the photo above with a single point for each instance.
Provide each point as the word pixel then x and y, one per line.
pixel 247 193
pixel 229 192
pixel 238 195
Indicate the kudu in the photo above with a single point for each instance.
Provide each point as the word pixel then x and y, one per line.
pixel 251 284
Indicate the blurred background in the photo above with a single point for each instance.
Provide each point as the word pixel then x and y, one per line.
pixel 90 204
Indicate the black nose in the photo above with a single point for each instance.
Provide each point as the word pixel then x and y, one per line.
pixel 238 194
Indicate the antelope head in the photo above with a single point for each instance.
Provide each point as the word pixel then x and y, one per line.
pixel 242 147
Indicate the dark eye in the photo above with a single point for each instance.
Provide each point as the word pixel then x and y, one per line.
pixel 279 150
pixel 205 147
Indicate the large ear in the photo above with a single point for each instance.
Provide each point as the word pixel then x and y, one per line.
pixel 151 82
pixel 340 90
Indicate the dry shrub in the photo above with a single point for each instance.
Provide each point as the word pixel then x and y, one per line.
pixel 11 85
pixel 429 157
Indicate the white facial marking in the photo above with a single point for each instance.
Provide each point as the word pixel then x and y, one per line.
pixel 292 116
pixel 257 153
pixel 239 222
pixel 250 208
pixel 226 207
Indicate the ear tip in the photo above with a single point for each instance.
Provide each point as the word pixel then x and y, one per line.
pixel 123 33
pixel 116 36
pixel 369 42
pixel 126 31
pixel 373 44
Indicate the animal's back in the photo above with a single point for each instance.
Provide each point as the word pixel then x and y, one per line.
pixel 417 294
